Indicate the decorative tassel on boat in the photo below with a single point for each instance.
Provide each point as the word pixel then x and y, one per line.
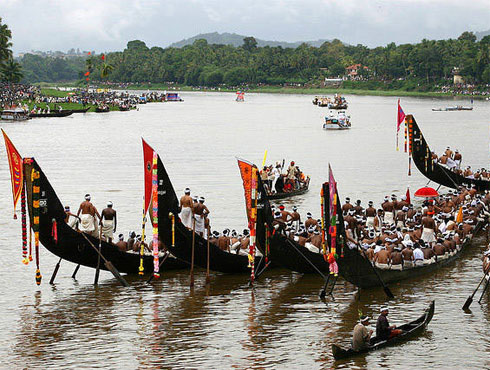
pixel 30 243
pixel 322 202
pixel 172 218
pixel 267 236
pixel 410 166
pixel 142 249
pixel 54 231
pixel 405 136
pixel 35 205
pixel 25 260
pixel 154 183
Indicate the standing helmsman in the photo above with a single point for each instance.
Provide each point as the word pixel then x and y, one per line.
pixel 87 219
pixel 361 335
pixel 108 222
pixel 186 206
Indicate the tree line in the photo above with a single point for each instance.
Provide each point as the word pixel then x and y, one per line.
pixel 427 63
pixel 10 70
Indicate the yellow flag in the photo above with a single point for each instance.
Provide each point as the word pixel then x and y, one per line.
pixel 459 217
pixel 265 156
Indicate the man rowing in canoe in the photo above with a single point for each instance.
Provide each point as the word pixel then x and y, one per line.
pixel 186 206
pixel 429 230
pixel 388 208
pixel 361 335
pixel 87 219
pixel 200 212
pixel 108 222
pixel 121 244
pixel 370 214
pixel 295 218
pixel 383 329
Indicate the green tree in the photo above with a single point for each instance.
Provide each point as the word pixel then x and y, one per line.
pixel 249 44
pixel 5 44
pixel 467 36
pixel 12 71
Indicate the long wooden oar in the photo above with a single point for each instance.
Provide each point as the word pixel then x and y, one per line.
pixel 208 279
pixel 108 264
pixel 192 253
pixel 97 270
pixel 385 288
pixel 73 276
pixel 56 268
pixel 484 290
pixel 469 301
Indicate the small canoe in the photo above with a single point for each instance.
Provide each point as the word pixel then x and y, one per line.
pixel 101 110
pixel 63 113
pixel 410 330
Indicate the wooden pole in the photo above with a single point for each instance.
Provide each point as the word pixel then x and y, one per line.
pixel 208 280
pixel 192 253
pixel 55 272
pixel 97 270
pixel 73 276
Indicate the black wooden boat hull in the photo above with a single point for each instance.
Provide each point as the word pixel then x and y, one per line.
pixel 71 245
pixel 436 172
pixel 411 330
pixel 353 266
pixel 64 113
pixel 100 110
pixel 219 260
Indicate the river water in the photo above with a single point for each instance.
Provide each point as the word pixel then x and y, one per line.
pixel 281 323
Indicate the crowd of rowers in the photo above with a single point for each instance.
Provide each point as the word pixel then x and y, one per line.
pixel 397 235
pixel 275 180
pixel 452 160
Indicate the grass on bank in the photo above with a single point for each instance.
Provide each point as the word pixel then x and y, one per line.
pixel 276 90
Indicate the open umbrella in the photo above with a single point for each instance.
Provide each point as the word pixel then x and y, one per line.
pixel 426 192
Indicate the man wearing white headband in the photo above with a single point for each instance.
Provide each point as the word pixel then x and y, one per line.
pixel 186 208
pixel 88 212
pixel 383 329
pixel 108 222
pixel 457 158
pixel 295 218
pixel 200 213
pixel 388 208
pixel 121 244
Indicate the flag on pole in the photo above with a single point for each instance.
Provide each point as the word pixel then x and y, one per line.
pixel 399 120
pixel 459 217
pixel 102 57
pixel 246 173
pixel 408 195
pixel 332 187
pixel 16 169
pixel 87 73
pixel 148 161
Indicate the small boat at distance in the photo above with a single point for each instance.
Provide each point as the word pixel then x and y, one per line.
pixel 173 97
pixel 14 114
pixel 451 109
pixel 410 330
pixel 62 113
pixel 337 121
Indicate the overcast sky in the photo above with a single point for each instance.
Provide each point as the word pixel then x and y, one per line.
pixel 107 25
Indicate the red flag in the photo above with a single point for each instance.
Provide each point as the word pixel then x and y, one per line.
pixel 16 170
pixel 399 119
pixel 102 57
pixel 87 73
pixel 408 196
pixel 87 79
pixel 148 161
pixel 88 53
pixel 246 173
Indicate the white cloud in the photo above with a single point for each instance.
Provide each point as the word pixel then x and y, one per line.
pixel 109 24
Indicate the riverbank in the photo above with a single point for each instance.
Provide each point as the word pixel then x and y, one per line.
pixel 277 90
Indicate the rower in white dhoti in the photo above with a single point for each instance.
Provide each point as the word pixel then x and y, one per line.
pixel 108 222
pixel 186 206
pixel 200 213
pixel 87 217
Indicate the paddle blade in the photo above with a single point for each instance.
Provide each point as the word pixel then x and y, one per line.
pixel 468 302
pixel 116 273
pixel 388 292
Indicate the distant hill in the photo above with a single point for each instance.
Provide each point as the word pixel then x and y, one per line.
pixel 480 35
pixel 237 40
